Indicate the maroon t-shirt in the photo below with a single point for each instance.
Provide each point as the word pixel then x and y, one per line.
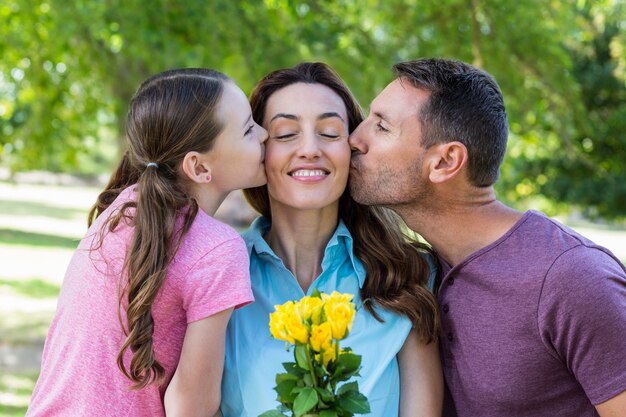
pixel 534 324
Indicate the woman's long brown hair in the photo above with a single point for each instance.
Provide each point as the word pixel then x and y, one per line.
pixel 171 114
pixel 397 271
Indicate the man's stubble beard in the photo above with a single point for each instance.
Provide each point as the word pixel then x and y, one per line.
pixel 389 187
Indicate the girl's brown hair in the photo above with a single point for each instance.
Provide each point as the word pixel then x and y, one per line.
pixel 397 271
pixel 171 114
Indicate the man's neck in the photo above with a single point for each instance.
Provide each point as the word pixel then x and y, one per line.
pixel 457 227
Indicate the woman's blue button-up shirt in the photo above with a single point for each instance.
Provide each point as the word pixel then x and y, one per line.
pixel 253 357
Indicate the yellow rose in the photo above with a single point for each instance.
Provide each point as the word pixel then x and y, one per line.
pixel 321 337
pixel 295 327
pixel 329 354
pixel 310 308
pixel 339 313
pixel 286 308
pixel 337 296
pixel 277 327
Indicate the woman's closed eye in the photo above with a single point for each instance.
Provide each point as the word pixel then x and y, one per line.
pixel 249 130
pixel 330 135
pixel 285 136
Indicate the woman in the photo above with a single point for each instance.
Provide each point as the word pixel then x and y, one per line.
pixel 142 313
pixel 312 235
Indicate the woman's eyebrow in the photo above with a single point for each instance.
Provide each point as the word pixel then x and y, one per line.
pixel 285 116
pixel 329 115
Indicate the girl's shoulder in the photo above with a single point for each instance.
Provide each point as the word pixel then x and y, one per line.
pixel 207 234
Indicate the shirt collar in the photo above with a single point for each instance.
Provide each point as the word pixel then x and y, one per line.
pixel 259 227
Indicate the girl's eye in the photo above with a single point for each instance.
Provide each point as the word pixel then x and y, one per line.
pixel 380 127
pixel 250 129
pixel 329 135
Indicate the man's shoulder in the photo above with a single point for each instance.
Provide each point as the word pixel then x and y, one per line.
pixel 569 248
pixel 549 238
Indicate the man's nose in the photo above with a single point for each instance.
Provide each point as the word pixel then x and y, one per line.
pixel 356 140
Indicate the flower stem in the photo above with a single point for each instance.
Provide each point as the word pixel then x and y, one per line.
pixel 310 362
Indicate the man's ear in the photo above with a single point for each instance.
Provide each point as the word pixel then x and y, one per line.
pixel 196 168
pixel 446 161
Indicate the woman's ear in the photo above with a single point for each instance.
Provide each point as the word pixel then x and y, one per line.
pixel 196 168
pixel 446 161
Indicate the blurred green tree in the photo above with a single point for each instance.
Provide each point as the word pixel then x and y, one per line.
pixel 69 68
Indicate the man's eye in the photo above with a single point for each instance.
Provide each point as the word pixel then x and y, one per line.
pixel 380 127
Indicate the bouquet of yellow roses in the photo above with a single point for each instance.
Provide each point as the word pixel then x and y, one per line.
pixel 311 384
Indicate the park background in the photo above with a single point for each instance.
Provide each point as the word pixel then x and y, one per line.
pixel 69 67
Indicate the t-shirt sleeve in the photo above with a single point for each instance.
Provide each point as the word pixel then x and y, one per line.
pixel 218 281
pixel 582 318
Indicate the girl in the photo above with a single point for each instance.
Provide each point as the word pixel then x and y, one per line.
pixel 143 309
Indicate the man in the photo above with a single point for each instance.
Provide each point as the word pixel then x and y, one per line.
pixel 533 314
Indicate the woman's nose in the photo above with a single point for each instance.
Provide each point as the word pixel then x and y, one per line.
pixel 309 146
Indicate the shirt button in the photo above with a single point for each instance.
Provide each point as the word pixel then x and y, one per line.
pixel 446 309
pixel 451 281
pixel 450 337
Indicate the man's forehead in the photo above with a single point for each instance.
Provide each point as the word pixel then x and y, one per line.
pixel 399 96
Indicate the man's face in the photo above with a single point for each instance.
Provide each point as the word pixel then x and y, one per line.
pixel 386 166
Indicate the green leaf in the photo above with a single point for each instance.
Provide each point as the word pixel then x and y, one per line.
pixel 354 402
pixel 316 293
pixel 320 371
pixel 347 366
pixel 273 413
pixel 348 362
pixel 293 368
pixel 308 380
pixel 301 358
pixel 305 401
pixel 325 394
pixel 285 391
pixel 350 386
pixel 286 377
pixel 328 413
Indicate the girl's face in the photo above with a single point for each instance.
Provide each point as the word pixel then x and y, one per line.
pixel 238 152
pixel 307 159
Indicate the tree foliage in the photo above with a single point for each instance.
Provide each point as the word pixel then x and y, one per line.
pixel 69 68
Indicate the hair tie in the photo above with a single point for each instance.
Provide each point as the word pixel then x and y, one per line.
pixel 152 164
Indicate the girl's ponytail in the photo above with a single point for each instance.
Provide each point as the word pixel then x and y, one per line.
pixel 155 241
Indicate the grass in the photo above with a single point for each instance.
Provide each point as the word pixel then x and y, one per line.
pixel 15 392
pixel 31 288
pixel 33 239
pixel 31 303
pixel 34 208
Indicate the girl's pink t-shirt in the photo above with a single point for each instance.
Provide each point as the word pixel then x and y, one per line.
pixel 79 373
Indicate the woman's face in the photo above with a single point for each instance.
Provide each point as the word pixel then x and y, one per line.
pixel 238 152
pixel 307 156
